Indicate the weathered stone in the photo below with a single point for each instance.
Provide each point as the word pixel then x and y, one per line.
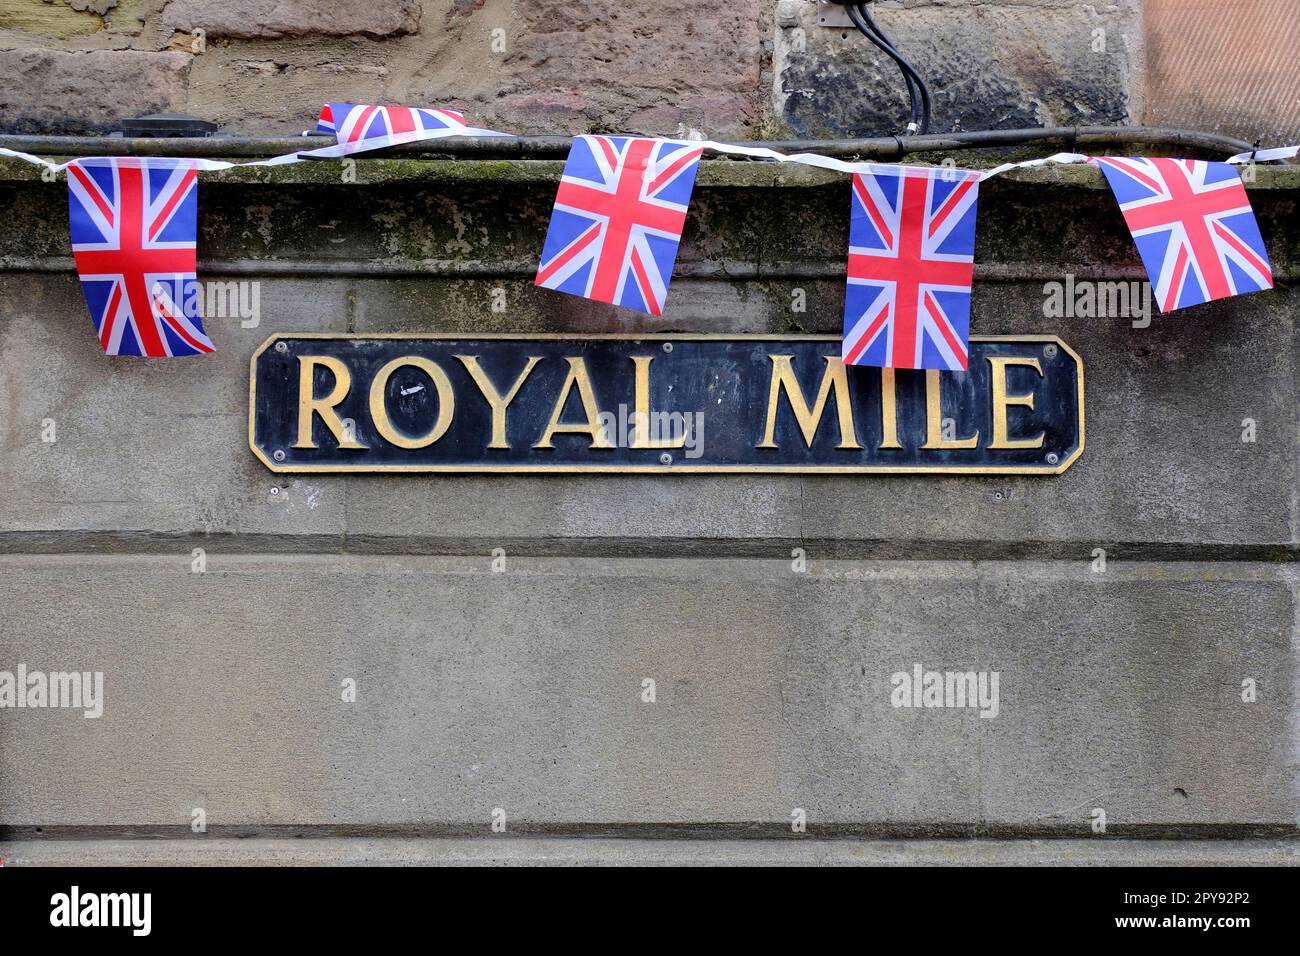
pixel 619 57
pixel 1126 605
pixel 55 19
pixel 47 90
pixel 1224 65
pixel 773 690
pixel 1162 473
pixel 255 19
pixel 989 66
pixel 94 6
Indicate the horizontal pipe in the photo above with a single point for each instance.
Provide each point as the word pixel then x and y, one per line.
pixel 553 147
pixel 1124 557
pixel 475 269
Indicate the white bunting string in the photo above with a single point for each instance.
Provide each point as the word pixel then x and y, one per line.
pixel 339 151
pixel 1265 155
pixel 207 165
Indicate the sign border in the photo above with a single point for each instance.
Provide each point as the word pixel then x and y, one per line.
pixel 1057 469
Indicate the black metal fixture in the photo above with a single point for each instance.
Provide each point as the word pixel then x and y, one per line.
pixel 165 125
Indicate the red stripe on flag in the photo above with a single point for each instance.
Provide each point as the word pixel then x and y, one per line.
pixel 860 188
pixel 607 147
pixel 1176 280
pixel 1246 252
pixel 643 282
pixel 672 170
pixel 178 328
pixel 177 195
pixel 958 349
pixel 949 204
pixel 587 238
pixel 359 128
pixel 867 336
pixel 401 119
pixel 110 316
pixel 93 189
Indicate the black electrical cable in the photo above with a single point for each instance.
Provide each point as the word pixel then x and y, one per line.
pixel 855 14
pixel 915 75
pixel 910 75
pixel 916 86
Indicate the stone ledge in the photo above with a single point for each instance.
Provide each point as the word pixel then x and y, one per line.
pixel 731 173
pixel 559 851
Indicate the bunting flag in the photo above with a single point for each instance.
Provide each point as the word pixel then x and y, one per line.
pixel 618 220
pixel 373 127
pixel 617 225
pixel 133 224
pixel 911 262
pixel 1194 228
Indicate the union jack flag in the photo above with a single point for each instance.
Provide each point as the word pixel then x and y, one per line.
pixel 618 220
pixel 1193 227
pixel 133 225
pixel 911 261
pixel 372 127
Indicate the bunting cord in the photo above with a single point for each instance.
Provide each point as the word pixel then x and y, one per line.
pixel 189 337
pixel 732 149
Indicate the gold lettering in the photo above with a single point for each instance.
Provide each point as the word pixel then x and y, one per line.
pixel 379 406
pixel 1001 400
pixel 494 398
pixel 577 376
pixel 934 418
pixel 641 417
pixel 309 404
pixel 888 410
pixel 783 378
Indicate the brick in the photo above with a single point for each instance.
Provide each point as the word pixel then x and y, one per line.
pixel 278 18
pixel 56 91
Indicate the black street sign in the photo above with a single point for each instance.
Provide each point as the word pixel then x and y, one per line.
pixel 669 404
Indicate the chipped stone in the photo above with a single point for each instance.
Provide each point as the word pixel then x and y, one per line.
pixel 257 19
pixel 56 91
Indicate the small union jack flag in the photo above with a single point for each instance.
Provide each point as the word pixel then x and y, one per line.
pixel 618 220
pixel 373 127
pixel 1193 226
pixel 911 261
pixel 133 224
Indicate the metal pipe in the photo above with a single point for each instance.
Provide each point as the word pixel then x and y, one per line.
pixel 557 147
pixel 729 269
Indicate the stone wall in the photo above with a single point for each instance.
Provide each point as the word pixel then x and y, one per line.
pixel 744 68
pixel 1121 688
pixel 1121 684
